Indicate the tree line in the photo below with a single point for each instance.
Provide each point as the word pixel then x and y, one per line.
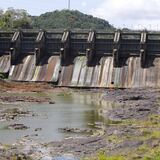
pixel 20 19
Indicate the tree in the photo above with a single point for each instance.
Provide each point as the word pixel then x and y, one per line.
pixel 69 19
pixel 14 19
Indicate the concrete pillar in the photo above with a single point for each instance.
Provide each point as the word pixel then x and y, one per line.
pixel 15 47
pixel 64 50
pixel 116 48
pixel 143 47
pixel 40 46
pixel 90 51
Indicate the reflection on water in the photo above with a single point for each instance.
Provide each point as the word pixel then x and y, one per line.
pixel 74 110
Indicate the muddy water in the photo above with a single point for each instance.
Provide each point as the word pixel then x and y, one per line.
pixel 73 110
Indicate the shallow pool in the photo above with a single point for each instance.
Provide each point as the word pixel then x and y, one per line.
pixel 74 110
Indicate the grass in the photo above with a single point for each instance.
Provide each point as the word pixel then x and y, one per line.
pixel 114 139
pixel 152 121
pixel 102 156
pixel 3 75
pixel 149 153
pixel 149 130
pixel 145 151
pixel 155 134
pixel 155 157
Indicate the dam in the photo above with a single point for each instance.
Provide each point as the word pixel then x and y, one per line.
pixel 82 58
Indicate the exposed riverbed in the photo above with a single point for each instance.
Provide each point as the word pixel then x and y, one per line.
pixel 60 123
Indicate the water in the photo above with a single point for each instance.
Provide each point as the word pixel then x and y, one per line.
pixel 73 110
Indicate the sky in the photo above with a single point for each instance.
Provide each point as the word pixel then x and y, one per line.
pixel 134 14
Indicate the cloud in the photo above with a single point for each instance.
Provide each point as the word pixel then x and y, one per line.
pixel 84 3
pixel 130 13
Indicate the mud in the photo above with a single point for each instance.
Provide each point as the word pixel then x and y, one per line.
pixel 29 99
pixel 8 86
pixel 12 113
pixel 17 126
pixel 133 103
pixel 75 130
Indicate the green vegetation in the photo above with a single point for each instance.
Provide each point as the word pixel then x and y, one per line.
pixel 103 156
pixel 14 19
pixel 147 132
pixel 20 19
pixel 69 19
pixel 3 76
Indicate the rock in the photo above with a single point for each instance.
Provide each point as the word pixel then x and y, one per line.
pixel 34 135
pixel 143 109
pixel 65 158
pixel 38 129
pixel 131 144
pixel 75 130
pixel 133 98
pixel 18 127
pixel 24 99
pixel 51 102
pixel 12 113
pixel 48 158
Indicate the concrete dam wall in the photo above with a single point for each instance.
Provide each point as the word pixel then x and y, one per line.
pixel 82 58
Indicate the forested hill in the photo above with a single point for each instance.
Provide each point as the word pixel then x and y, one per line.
pixel 20 19
pixel 69 19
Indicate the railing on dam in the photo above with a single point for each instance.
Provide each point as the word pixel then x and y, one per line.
pixel 48 55
pixel 81 42
pixel 5 42
pixel 5 45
